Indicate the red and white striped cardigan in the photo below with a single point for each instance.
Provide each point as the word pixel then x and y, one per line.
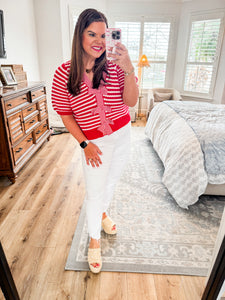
pixel 98 112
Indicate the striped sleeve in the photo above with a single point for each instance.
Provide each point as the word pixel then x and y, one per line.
pixel 59 95
pixel 120 74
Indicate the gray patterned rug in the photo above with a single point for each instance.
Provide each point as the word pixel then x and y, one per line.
pixel 154 234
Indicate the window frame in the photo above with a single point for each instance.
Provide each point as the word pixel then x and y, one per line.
pixel 171 45
pixel 203 17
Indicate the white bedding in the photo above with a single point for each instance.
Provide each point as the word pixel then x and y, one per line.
pixel 180 152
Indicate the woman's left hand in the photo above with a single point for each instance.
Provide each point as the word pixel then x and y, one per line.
pixel 122 58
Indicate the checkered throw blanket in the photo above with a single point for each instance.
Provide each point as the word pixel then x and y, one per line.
pixel 180 151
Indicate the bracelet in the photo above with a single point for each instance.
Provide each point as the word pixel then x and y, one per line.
pixel 128 73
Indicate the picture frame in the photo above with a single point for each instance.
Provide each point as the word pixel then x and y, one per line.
pixel 8 76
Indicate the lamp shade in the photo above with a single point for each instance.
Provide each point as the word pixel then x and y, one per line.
pixel 143 61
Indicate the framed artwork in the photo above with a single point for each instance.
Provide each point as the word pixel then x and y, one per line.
pixel 8 76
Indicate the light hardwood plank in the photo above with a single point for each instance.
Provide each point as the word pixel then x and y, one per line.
pixel 113 285
pixel 193 285
pixel 141 286
pixel 38 217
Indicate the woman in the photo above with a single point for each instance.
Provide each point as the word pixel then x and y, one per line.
pixel 92 96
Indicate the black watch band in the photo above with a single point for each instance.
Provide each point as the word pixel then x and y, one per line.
pixel 84 144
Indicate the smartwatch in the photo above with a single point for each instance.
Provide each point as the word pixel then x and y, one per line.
pixel 84 144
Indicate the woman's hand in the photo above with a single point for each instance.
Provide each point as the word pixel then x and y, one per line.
pixel 122 58
pixel 92 153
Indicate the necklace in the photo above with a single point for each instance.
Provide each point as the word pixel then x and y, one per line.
pixel 88 70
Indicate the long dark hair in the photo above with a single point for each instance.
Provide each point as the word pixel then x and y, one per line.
pixel 87 17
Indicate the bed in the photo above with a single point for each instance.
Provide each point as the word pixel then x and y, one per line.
pixel 189 138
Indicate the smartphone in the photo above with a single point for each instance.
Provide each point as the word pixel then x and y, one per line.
pixel 112 36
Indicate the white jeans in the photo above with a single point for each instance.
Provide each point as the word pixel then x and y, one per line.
pixel 100 181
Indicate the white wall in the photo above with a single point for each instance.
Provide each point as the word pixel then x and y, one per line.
pixel 50 52
pixel 20 36
pixel 141 8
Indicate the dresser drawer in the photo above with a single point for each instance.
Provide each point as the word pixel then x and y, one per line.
pixel 22 147
pixel 40 130
pixel 29 110
pixel 23 117
pixel 42 107
pixel 12 103
pixel 37 93
pixel 15 124
pixel 31 122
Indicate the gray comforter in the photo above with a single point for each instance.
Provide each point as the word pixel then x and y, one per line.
pixel 193 155
pixel 208 122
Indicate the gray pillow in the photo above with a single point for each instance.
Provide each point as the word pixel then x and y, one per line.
pixel 159 97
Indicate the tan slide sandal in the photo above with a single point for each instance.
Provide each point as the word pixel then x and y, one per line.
pixel 94 257
pixel 107 225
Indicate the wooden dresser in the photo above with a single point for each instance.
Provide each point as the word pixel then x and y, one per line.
pixel 24 125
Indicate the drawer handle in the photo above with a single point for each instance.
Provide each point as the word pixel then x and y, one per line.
pixel 40 109
pixel 38 131
pixel 9 104
pixel 20 149
pixel 45 125
pixel 30 109
pixel 33 95
pixel 30 139
pixel 31 122
pixel 24 98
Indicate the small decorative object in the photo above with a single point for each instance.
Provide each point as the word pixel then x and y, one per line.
pixel 143 62
pixel 8 76
pixel 19 73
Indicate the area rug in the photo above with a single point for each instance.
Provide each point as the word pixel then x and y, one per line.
pixel 154 234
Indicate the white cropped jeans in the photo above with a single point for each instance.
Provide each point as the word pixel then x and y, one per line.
pixel 100 181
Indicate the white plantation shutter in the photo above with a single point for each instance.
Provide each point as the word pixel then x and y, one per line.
pixel 156 40
pixel 155 46
pixel 151 39
pixel 131 36
pixel 131 33
pixel 202 57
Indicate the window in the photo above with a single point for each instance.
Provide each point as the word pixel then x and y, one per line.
pixel 202 56
pixel 155 45
pixel 131 35
pixel 151 39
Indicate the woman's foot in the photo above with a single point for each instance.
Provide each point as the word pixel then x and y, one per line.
pixel 94 256
pixel 108 224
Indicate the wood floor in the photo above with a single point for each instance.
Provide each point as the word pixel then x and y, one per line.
pixel 38 217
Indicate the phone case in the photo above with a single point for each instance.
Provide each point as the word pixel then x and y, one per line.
pixel 112 36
